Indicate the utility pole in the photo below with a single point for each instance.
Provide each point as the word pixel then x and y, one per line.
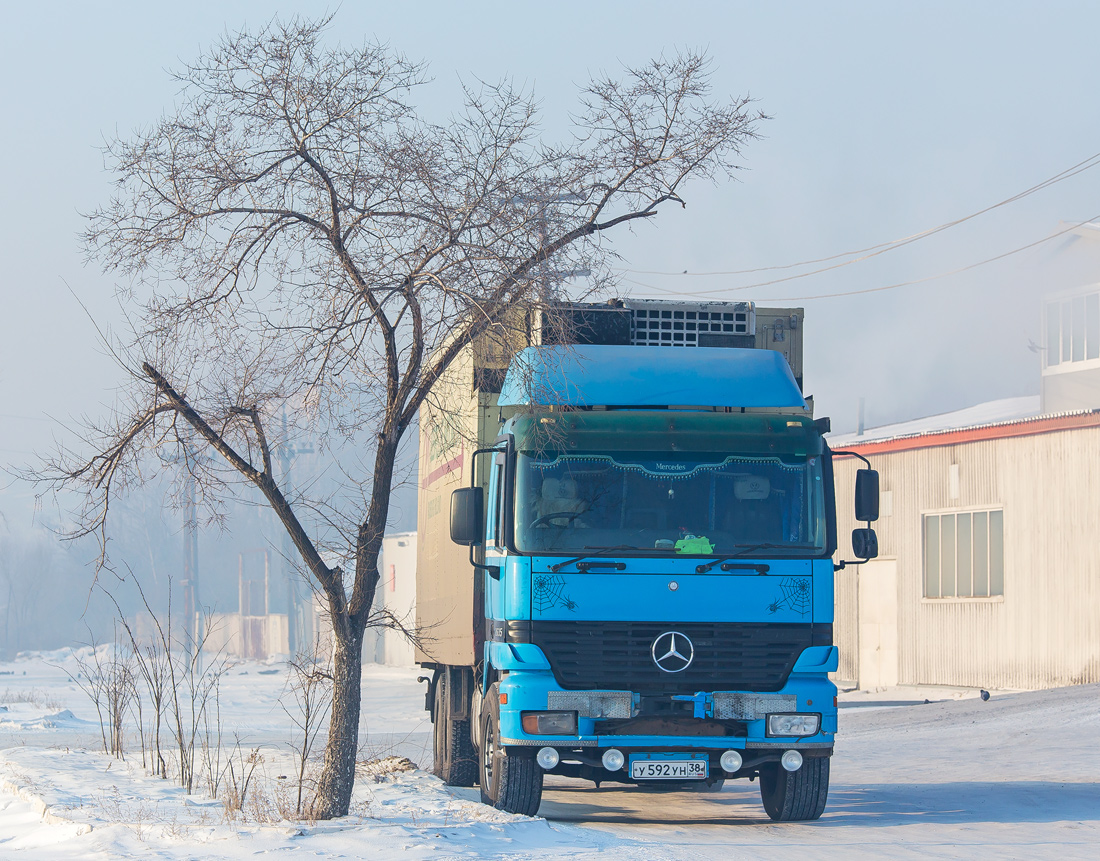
pixel 191 601
pixel 295 609
pixel 548 276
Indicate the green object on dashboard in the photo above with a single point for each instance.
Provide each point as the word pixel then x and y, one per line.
pixel 694 544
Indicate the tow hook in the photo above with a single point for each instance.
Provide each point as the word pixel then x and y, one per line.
pixel 702 703
pixel 427 695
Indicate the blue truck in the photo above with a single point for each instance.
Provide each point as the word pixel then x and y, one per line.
pixel 643 585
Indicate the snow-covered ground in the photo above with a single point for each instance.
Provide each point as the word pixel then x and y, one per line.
pixel 1017 776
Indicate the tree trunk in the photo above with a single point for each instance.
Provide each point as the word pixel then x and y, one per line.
pixel 338 774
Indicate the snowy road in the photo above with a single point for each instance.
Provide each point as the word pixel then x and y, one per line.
pixel 1015 777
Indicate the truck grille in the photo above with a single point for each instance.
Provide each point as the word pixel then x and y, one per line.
pixel 729 656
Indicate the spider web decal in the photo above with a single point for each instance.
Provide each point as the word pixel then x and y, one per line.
pixel 796 596
pixel 546 593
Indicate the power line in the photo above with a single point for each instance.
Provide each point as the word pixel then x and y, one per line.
pixel 927 278
pixel 881 248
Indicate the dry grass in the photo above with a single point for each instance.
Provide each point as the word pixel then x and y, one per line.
pixel 264 799
pixel 23 779
pixel 382 768
pixel 268 802
pixel 33 696
pixel 136 814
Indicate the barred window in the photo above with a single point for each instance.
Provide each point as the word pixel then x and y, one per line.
pixel 964 554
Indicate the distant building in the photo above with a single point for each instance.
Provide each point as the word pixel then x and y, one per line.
pixel 254 631
pixel 257 633
pixel 396 594
pixel 1071 350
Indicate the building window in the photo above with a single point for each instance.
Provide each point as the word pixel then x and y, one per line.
pixel 964 554
pixel 1072 330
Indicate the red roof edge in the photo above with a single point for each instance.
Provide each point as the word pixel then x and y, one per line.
pixel 1006 430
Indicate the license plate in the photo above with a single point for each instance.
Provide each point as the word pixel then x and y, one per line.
pixel 669 769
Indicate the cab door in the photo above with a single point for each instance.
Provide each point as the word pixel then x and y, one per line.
pixel 495 537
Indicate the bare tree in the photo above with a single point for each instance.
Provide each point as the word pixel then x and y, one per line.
pixel 36 595
pixel 120 690
pixel 153 659
pixel 106 676
pixel 294 231
pixel 183 681
pixel 91 679
pixel 310 684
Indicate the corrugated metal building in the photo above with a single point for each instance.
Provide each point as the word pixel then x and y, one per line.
pixel 989 543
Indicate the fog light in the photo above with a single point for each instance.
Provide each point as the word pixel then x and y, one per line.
pixel 613 759
pixel 791 761
pixel 730 761
pixel 793 724
pixel 549 723
pixel 547 757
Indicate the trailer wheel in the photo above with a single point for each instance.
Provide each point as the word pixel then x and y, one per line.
pixel 455 760
pixel 795 796
pixel 511 782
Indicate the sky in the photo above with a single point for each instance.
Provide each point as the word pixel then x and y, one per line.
pixel 886 119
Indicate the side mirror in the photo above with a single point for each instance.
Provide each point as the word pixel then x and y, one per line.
pixel 467 518
pixel 865 543
pixel 866 496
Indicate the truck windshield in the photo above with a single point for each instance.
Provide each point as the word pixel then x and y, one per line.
pixel 763 486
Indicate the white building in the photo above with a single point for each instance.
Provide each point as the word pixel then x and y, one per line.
pixel 1071 349
pixel 989 551
pixel 397 594
pixel 989 536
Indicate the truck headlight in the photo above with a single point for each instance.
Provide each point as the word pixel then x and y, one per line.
pixel 549 723
pixel 788 725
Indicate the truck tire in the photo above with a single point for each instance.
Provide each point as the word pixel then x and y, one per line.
pixel 455 760
pixel 795 796
pixel 511 782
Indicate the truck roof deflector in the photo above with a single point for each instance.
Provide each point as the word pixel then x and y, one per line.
pixel 629 376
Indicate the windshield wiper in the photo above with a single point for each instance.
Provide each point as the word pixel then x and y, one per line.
pixel 760 567
pixel 618 566
pixel 749 548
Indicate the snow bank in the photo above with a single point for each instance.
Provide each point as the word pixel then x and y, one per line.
pixel 958 777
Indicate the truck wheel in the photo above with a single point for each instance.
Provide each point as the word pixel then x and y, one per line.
pixel 795 796
pixel 508 782
pixel 454 754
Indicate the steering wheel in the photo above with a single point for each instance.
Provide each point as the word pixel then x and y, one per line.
pixel 568 516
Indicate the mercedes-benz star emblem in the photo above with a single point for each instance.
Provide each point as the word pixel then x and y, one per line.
pixel 673 652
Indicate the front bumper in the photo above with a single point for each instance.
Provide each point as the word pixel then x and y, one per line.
pixel 707 720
